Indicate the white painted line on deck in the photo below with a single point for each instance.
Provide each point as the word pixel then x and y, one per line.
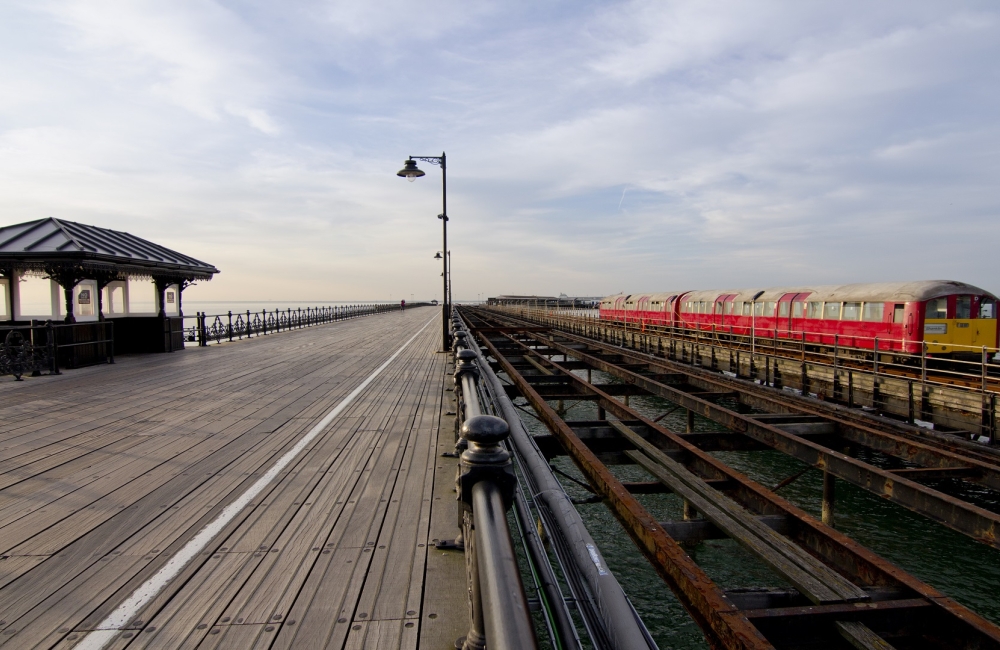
pixel 118 619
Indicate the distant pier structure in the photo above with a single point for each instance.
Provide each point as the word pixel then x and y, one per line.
pixel 52 269
pixel 562 301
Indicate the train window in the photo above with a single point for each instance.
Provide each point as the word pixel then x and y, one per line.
pixel 729 308
pixel 720 308
pixel 783 310
pixel 797 309
pixel 963 307
pixel 703 307
pixel 769 308
pixel 747 306
pixel 897 313
pixel 987 307
pixel 758 309
pixel 831 311
pixel 852 311
pixel 815 310
pixel 873 312
pixel 937 308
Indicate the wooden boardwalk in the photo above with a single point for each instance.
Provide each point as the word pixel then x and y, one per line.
pixel 107 472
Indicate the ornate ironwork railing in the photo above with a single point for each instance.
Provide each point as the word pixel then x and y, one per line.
pixel 233 326
pixel 39 347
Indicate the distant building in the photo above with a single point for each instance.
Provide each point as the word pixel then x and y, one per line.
pixel 561 301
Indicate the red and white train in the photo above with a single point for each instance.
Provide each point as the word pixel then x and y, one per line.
pixel 951 317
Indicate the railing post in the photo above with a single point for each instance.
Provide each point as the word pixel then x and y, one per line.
pixel 498 607
pixel 249 327
pixel 203 336
pixel 263 320
pixel 230 326
pixel 50 341
pixel 111 339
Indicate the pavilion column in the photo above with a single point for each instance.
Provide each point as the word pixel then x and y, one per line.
pixel 161 289
pixel 68 294
pixel 103 280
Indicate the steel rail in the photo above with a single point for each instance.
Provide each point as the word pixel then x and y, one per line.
pixel 928 450
pixel 844 417
pixel 844 553
pixel 705 602
pixel 969 519
pixel 791 349
pixel 976 522
pixel 979 385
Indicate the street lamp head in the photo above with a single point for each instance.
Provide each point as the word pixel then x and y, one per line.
pixel 437 255
pixel 410 171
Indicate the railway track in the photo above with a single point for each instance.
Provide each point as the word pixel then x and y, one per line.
pixel 842 595
pixel 927 390
pixel 811 431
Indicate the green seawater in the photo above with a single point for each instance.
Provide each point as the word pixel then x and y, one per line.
pixel 962 569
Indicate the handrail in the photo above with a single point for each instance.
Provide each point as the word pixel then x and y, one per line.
pixel 499 615
pixel 216 328
pixel 609 617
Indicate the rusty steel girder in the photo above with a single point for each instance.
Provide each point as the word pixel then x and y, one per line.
pixel 836 549
pixel 703 599
pixel 978 523
pixel 929 450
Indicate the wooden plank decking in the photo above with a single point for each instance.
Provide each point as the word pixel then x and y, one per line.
pixel 106 472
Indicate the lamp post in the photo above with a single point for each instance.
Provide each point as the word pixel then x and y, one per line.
pixel 411 172
pixel 753 332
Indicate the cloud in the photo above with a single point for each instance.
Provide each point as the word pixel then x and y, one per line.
pixel 760 142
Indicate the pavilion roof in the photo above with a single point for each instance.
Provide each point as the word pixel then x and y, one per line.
pixel 46 242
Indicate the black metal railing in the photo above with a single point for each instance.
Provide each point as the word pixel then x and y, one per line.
pixel 42 347
pixel 209 329
pixel 609 619
pixel 498 607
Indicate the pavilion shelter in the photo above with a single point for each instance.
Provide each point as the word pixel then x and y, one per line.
pixel 67 272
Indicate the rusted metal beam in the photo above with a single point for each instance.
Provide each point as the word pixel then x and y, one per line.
pixel 702 597
pixel 838 550
pixel 978 523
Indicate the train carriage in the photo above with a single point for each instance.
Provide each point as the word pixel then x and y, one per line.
pixel 953 318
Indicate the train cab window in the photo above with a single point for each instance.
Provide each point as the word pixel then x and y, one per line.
pixel 897 313
pixel 873 312
pixel 987 307
pixel 815 310
pixel 852 311
pixel 937 308
pixel 963 307
pixel 831 311
pixel 782 310
pixel 798 309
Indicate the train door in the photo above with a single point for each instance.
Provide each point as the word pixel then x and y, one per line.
pixel 984 322
pixel 783 319
pixel 722 304
pixel 791 311
pixel 642 311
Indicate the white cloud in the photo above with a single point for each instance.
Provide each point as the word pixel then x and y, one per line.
pixel 758 141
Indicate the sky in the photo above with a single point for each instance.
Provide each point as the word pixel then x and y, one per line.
pixel 593 147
